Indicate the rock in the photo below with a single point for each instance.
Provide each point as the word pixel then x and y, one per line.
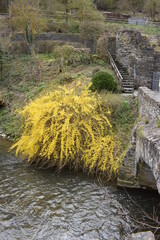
pixel 141 236
pixel 3 135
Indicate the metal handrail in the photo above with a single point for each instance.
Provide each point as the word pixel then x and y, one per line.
pixel 114 67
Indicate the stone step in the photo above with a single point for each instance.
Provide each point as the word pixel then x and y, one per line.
pixel 125 76
pixel 124 73
pixel 130 80
pixel 128 90
pixel 127 86
pixel 128 83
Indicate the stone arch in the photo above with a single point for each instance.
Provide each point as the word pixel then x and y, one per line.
pixel 144 175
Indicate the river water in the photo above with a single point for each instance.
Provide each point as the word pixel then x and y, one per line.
pixel 42 204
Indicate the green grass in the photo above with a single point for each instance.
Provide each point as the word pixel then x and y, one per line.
pixel 26 77
pixel 158 123
pixel 24 81
pixel 124 117
pixel 10 123
pixel 147 29
pixel 46 57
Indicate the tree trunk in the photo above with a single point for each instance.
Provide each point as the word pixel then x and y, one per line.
pixel 29 39
pixel 66 12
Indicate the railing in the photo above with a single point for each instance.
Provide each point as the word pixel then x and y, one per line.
pixel 114 67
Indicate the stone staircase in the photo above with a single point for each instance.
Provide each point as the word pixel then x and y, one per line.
pixel 127 81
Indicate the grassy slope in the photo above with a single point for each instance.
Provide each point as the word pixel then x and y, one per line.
pixel 24 78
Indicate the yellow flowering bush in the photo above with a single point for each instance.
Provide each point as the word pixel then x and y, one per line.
pixel 63 128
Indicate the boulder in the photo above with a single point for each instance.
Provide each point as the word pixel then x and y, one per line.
pixel 140 236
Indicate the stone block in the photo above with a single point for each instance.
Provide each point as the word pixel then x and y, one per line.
pixel 141 236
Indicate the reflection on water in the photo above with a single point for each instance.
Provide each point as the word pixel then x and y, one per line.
pixel 41 204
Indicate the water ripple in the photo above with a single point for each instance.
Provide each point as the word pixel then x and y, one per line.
pixel 36 204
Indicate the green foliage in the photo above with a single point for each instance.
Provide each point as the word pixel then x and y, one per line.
pixel 102 49
pixel 10 123
pixel 103 81
pixel 146 120
pixel 158 123
pixel 91 29
pixel 95 70
pixel 140 131
pixel 68 55
pixel 124 115
pixel 64 53
pixel 64 128
pixel 74 28
pixel 26 17
pixel 151 7
pixel 105 4
pixel 66 77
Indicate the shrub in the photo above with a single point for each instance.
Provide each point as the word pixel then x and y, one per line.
pixel 66 77
pixel 63 128
pixel 63 54
pixel 67 55
pixel 95 70
pixel 103 81
pixel 74 28
pixel 102 48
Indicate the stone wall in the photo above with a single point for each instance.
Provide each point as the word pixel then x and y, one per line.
pixel 141 166
pixel 157 62
pixel 56 37
pixel 138 54
pixel 135 53
pixel 148 151
pixel 149 104
pixel 148 140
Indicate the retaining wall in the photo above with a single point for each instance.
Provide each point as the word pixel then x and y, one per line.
pixel 56 37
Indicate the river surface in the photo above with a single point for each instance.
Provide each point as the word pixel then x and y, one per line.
pixel 42 204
